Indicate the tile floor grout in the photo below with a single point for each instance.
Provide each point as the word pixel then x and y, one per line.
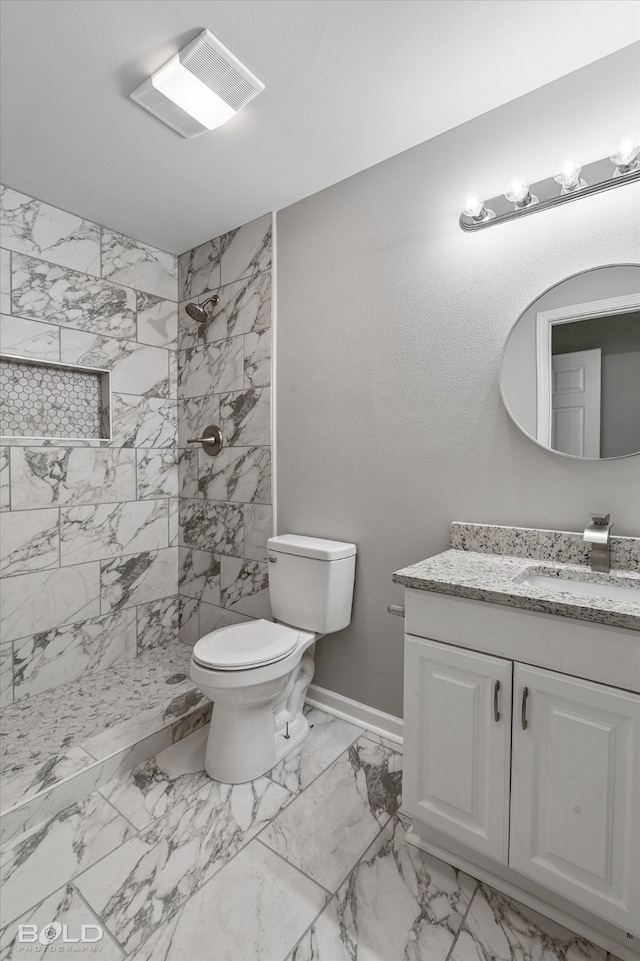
pixel 466 914
pixel 96 915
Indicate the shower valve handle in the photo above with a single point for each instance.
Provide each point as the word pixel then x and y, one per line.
pixel 211 440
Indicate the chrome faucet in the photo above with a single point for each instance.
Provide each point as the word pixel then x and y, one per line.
pixel 597 533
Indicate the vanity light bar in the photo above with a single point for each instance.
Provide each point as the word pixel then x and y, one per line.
pixel 570 182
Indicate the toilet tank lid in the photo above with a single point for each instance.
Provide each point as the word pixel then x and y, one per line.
pixel 317 547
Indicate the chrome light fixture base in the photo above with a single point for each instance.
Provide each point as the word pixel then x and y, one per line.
pixel 598 176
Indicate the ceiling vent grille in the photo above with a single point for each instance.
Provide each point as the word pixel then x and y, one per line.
pixel 220 71
pixel 230 84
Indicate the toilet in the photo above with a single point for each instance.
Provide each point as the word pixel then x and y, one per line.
pixel 257 673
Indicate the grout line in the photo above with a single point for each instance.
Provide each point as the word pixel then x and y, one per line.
pixel 103 923
pixel 299 870
pixel 462 923
pixel 116 809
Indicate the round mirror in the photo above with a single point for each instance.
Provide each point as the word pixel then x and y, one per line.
pixel 570 373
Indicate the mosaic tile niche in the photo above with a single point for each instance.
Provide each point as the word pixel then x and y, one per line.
pixel 47 400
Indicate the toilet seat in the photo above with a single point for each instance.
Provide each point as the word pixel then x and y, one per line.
pixel 244 646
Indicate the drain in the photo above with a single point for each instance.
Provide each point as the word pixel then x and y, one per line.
pixel 176 679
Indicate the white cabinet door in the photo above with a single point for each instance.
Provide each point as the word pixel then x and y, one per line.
pixel 457 720
pixel 575 777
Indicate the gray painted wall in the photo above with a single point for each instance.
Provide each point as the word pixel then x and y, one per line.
pixel 391 324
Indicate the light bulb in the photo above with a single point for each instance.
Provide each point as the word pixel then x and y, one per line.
pixel 624 154
pixel 473 206
pixel 568 175
pixel 517 191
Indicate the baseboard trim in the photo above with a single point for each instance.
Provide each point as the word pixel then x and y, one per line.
pixel 386 725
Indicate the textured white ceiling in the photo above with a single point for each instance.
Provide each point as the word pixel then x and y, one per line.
pixel 348 83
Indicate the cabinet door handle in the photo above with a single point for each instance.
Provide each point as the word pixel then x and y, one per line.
pixel 496 711
pixel 525 695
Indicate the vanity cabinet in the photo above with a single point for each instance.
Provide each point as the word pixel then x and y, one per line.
pixel 535 769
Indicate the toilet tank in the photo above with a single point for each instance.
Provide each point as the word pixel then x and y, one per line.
pixel 311 582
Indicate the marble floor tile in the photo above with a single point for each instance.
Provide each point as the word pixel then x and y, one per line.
pixel 40 861
pixel 63 907
pixel 328 827
pixel 397 904
pixel 253 910
pixel 145 793
pixel 327 739
pixel 385 741
pixel 26 774
pixel 145 881
pixel 499 928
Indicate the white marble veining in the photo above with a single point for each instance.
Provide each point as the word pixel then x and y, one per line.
pixel 398 903
pixel 157 320
pixel 157 473
pixel 328 828
pixel 158 623
pixel 212 618
pixel 283 903
pixel 28 338
pixel 243 306
pixel 61 476
pixel 147 792
pixel 246 250
pixel 138 265
pixel 138 578
pixel 5 282
pixel 145 881
pixel 257 530
pixel 6 673
pixel 63 907
pixel 5 488
pixel 494 578
pixel 27 774
pixel 199 575
pixel 101 531
pixel 144 421
pixel 47 660
pixel 216 367
pixel 199 270
pixel 32 227
pixel 135 368
pixel 196 413
pixel 245 417
pixel 236 474
pixel 244 587
pixel 328 737
pixel 566 547
pixel 211 526
pixel 47 292
pixel 31 603
pixel 29 541
pixel 40 861
pixel 257 359
pixel 499 928
pixel 188 473
pixel 189 621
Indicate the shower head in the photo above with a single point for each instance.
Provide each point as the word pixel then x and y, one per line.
pixel 199 311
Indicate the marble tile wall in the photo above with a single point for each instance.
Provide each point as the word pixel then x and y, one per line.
pixel 89 558
pixel 224 378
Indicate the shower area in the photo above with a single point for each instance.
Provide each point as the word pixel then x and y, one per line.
pixel 122 541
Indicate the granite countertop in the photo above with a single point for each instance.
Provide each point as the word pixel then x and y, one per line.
pixel 498 578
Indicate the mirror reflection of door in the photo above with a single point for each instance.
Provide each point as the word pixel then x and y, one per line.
pixel 575 403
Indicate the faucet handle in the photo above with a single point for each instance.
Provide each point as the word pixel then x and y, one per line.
pixel 601 520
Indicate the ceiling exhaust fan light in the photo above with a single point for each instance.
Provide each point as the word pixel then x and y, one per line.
pixel 185 90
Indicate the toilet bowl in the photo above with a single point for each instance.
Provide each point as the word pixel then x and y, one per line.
pixel 257 673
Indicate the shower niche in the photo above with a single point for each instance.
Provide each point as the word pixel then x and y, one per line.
pixel 50 400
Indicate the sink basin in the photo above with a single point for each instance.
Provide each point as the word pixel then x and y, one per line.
pixel 624 590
